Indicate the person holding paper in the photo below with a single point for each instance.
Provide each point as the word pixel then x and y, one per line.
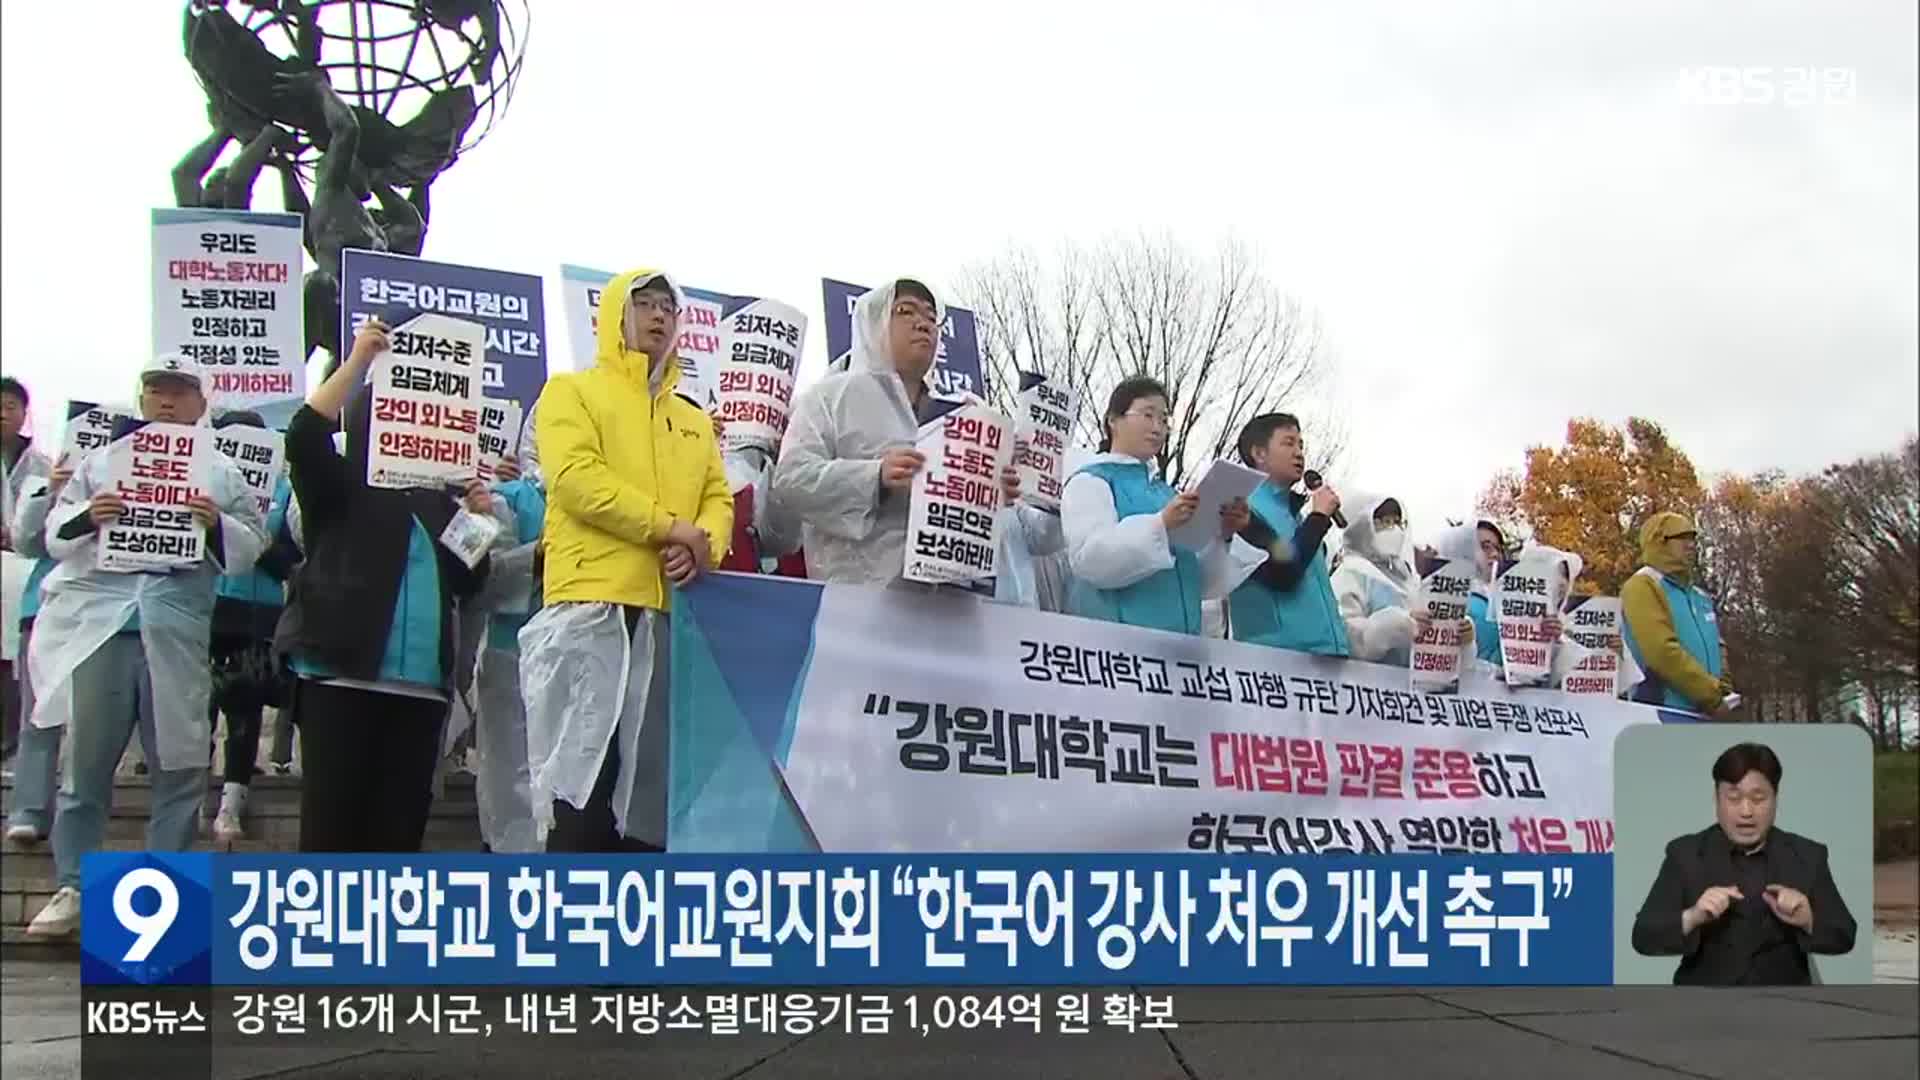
pixel 368 626
pixel 1671 629
pixel 1482 546
pixel 1288 602
pixel 847 465
pixel 638 504
pixel 1374 582
pixel 115 652
pixel 1118 517
pixel 247 679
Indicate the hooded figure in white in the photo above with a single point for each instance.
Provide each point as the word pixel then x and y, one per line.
pixel 118 653
pixel 828 480
pixel 1374 582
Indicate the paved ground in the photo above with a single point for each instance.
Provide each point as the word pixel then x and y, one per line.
pixel 1660 1032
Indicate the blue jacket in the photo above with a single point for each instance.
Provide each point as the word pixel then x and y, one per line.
pixel 529 505
pixel 1167 600
pixel 1288 603
pixel 1698 629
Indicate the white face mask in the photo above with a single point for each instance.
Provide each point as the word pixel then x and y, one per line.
pixel 1387 542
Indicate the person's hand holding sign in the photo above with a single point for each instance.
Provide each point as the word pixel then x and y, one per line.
pixel 105 509
pixel 1010 484
pixel 506 472
pixel 368 342
pixel 897 467
pixel 205 513
pixel 1181 509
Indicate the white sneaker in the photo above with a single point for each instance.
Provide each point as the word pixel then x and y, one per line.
pixel 23 836
pixel 226 822
pixel 60 918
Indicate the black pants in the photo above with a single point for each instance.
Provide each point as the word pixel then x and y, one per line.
pixel 593 829
pixel 10 718
pixel 242 742
pixel 369 760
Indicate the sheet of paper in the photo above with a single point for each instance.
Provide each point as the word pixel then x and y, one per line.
pixel 1223 482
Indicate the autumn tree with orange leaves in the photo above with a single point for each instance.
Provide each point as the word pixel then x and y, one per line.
pixel 1591 495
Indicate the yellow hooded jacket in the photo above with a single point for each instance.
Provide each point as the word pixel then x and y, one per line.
pixel 622 465
pixel 1650 621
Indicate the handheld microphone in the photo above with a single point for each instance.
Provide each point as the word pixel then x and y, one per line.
pixel 1313 481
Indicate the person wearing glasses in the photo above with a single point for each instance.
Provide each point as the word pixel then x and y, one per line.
pixel 1671 628
pixel 847 464
pixel 637 500
pixel 1118 517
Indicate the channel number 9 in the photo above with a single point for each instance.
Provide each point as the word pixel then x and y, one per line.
pixel 147 930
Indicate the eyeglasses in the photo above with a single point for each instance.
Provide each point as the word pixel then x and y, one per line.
pixel 1153 417
pixel 910 310
pixel 652 302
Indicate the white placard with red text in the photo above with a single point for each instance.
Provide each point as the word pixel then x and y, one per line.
pixel 759 356
pixel 156 469
pixel 425 431
pixel 1588 661
pixel 226 292
pixel 1523 598
pixel 1438 650
pixel 1044 416
pixel 953 525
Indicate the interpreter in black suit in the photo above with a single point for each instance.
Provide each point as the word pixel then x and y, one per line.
pixel 1743 903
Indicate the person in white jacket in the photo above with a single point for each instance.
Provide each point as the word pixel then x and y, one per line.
pixel 1374 581
pixel 115 653
pixel 848 461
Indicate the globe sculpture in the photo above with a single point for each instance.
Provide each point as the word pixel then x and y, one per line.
pixel 350 101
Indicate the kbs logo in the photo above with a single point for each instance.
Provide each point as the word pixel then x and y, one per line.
pixel 146 919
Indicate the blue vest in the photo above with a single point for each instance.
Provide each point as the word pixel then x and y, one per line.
pixel 413 639
pixel 1486 629
pixel 1170 599
pixel 1305 618
pixel 30 595
pixel 529 506
pixel 1698 629
pixel 256 586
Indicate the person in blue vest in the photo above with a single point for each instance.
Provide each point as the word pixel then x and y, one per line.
pixel 1116 516
pixel 1288 602
pixel 1671 628
pixel 246 677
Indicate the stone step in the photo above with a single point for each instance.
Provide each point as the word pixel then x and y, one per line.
pixel 16 946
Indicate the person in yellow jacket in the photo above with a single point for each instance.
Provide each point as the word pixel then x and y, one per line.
pixel 637 503
pixel 1672 631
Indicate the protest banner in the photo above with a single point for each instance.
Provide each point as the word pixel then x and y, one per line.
pixel 832 718
pixel 1524 595
pixel 954 522
pixel 89 427
pixel 500 431
pixel 700 344
pixel 756 373
pixel 1438 650
pixel 425 430
pixel 510 308
pixel 155 469
pixel 261 455
pixel 226 292
pixel 956 364
pixel 1044 416
pixel 1588 661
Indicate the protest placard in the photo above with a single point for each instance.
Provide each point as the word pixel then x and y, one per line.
pixel 1588 662
pixel 1525 594
pixel 1438 650
pixel 261 455
pixel 953 524
pixel 89 427
pixel 226 292
pixel 756 372
pixel 1044 415
pixel 500 429
pixel 155 469
pixel 426 405
pixel 509 307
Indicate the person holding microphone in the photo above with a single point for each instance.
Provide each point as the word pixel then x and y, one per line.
pixel 1117 517
pixel 1288 601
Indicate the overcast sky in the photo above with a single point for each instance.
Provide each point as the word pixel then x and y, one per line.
pixel 1507 213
